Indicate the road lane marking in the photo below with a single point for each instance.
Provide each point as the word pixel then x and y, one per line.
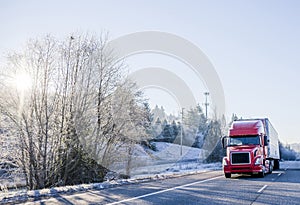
pixel 259 191
pixel 165 190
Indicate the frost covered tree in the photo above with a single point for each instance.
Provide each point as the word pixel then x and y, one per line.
pixel 157 129
pixel 159 113
pixel 130 125
pixel 69 105
pixel 214 133
pixel 286 153
pixel 194 125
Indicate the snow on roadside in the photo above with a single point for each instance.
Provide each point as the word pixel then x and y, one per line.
pixel 186 165
pixel 289 164
pixel 166 156
pixel 149 165
pixel 179 169
pixel 173 151
pixel 24 195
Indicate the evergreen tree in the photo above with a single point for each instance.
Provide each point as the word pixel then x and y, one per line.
pixel 233 118
pixel 158 122
pixel 164 123
pixel 147 124
pixel 159 113
pixel 167 133
pixel 149 119
pixel 194 126
pixel 214 133
pixel 175 129
pixel 157 129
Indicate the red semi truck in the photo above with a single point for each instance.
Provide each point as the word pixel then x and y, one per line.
pixel 252 148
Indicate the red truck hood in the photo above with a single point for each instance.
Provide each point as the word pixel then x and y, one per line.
pixel 243 148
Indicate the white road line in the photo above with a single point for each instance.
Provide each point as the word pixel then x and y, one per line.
pixel 259 191
pixel 165 190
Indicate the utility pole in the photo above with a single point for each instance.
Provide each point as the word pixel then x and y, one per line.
pixel 206 103
pixel 181 130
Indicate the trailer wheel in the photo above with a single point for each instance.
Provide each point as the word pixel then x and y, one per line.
pixel 270 168
pixel 228 175
pixel 276 164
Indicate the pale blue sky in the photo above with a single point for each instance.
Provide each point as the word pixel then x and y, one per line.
pixel 254 45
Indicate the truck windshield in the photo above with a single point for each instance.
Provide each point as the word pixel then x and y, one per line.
pixel 244 140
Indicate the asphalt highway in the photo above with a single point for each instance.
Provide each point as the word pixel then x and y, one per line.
pixel 280 187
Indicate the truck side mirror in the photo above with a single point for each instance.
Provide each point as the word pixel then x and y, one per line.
pixel 266 140
pixel 224 142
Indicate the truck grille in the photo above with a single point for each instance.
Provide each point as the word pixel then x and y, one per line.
pixel 240 158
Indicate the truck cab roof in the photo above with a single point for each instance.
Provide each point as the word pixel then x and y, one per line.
pixel 247 127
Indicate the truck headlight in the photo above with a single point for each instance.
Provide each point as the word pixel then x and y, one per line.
pixel 258 161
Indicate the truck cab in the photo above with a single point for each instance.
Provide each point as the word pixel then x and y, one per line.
pixel 248 150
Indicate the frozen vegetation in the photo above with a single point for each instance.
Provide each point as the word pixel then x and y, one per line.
pixel 163 163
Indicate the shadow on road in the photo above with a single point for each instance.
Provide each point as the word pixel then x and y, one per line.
pixel 281 175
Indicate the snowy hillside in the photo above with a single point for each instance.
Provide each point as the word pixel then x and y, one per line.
pixel 166 156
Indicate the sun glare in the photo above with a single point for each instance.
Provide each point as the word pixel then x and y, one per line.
pixel 23 82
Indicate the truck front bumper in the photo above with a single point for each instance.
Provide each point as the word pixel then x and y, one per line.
pixel 243 169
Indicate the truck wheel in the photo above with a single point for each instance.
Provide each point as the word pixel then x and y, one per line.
pixel 227 175
pixel 261 174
